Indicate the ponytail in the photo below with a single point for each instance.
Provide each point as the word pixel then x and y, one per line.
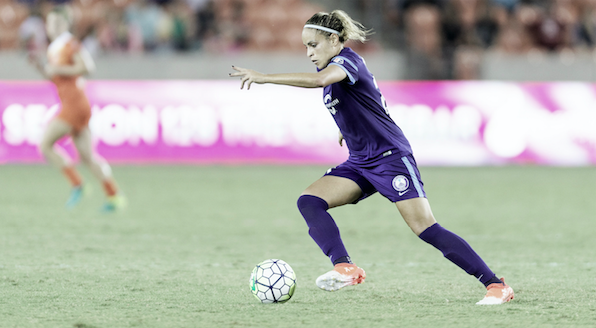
pixel 340 22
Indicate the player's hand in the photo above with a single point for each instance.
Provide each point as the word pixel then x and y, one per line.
pixel 341 139
pixel 248 76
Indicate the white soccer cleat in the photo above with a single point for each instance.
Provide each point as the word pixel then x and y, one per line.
pixel 342 275
pixel 497 294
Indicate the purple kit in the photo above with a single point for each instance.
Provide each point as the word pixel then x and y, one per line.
pixel 380 155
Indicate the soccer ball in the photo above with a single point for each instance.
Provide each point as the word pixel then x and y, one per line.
pixel 273 281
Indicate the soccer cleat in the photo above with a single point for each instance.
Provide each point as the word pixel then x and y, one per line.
pixel 497 294
pixel 76 194
pixel 114 203
pixel 342 275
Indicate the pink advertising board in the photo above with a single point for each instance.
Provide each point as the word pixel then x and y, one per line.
pixel 448 123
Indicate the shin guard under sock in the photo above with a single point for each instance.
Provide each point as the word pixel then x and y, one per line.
pixel 322 227
pixel 458 251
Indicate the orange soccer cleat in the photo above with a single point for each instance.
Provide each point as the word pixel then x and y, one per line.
pixel 342 275
pixel 497 294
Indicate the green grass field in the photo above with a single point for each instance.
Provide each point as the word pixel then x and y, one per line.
pixel 181 254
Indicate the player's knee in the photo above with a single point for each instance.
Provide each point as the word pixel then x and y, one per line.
pixel 86 158
pixel 43 149
pixel 46 147
pixel 309 203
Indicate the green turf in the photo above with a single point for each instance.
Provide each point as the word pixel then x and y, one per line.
pixel 181 254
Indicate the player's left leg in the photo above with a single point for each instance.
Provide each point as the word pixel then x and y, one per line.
pixel 418 215
pixel 57 156
pixel 328 192
pixel 100 169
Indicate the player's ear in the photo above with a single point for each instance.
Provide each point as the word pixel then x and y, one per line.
pixel 334 39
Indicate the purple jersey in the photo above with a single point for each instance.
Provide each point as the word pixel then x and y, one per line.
pixel 360 112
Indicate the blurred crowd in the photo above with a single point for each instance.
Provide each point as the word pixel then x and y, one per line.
pixel 162 26
pixel 442 39
pixel 446 39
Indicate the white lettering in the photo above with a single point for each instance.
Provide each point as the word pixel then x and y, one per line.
pixel 109 125
pixel 170 121
pixel 207 126
pixel 505 133
pixel 34 123
pixel 142 124
pixel 186 126
pixel 236 125
pixel 310 127
pixel 25 124
pixel 466 122
pixel 269 126
pixel 12 118
pixel 421 122
pixel 115 125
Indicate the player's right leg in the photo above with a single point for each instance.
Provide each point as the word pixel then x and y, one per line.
pixel 100 168
pixel 54 154
pixel 418 215
pixel 328 192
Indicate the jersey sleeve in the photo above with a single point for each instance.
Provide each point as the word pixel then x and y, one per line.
pixel 348 66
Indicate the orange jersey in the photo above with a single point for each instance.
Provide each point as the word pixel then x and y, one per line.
pixel 76 109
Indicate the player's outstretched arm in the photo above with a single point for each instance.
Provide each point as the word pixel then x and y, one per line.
pixel 325 77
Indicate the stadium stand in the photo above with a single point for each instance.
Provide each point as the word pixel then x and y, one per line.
pixel 436 39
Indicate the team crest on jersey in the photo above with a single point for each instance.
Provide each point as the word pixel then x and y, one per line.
pixel 330 104
pixel 400 183
pixel 338 60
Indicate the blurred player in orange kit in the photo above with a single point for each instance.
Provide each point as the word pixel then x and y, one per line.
pixel 67 62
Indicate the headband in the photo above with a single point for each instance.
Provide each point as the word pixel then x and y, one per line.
pixel 322 28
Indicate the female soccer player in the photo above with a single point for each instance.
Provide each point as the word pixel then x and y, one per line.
pixel 380 156
pixel 67 62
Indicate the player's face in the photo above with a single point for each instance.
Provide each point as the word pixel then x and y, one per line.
pixel 56 25
pixel 320 48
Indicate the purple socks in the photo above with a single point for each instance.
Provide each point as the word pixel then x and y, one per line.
pixel 458 251
pixel 322 227
pixel 324 231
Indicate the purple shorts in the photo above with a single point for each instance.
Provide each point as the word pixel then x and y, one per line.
pixel 397 178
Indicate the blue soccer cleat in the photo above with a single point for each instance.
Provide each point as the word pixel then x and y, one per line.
pixel 114 203
pixel 76 194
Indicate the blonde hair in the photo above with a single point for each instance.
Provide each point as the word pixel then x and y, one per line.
pixel 347 28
